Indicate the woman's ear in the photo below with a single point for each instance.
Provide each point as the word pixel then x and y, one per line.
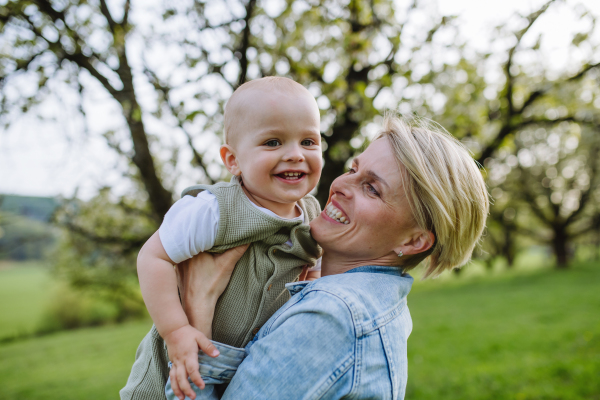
pixel 229 159
pixel 419 242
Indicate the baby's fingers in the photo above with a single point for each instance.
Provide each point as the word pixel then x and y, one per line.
pixel 184 385
pixel 206 345
pixel 174 385
pixel 194 374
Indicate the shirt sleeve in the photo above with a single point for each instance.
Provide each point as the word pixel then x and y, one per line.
pixel 190 226
pixel 317 266
pixel 309 350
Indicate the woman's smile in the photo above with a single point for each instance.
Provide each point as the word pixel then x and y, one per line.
pixel 335 213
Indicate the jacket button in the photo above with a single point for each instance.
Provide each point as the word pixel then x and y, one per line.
pixel 255 331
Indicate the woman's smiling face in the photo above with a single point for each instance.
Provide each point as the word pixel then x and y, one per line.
pixel 367 216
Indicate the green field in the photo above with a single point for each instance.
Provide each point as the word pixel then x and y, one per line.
pixel 24 292
pixel 533 335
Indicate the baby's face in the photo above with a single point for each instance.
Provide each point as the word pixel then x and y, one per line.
pixel 277 145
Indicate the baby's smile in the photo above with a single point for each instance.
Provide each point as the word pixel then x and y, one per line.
pixel 291 176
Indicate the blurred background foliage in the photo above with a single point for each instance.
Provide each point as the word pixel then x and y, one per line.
pixel 170 67
pixel 533 128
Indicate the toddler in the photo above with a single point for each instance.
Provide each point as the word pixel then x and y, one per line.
pixel 273 150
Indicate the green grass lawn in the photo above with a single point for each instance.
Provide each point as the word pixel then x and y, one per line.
pixel 24 290
pixel 533 335
pixel 90 364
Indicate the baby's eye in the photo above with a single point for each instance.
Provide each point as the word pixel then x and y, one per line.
pixel 307 142
pixel 272 143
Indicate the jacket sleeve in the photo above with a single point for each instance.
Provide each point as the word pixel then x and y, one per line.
pixel 307 353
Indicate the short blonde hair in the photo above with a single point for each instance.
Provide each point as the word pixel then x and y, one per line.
pixel 444 187
pixel 269 83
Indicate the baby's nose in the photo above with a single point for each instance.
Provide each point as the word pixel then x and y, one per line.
pixel 294 154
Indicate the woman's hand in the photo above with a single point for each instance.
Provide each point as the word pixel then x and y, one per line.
pixel 202 279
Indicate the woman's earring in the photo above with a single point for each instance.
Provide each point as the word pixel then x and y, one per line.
pixel 400 254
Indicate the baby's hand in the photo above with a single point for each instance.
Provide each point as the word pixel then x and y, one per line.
pixel 183 345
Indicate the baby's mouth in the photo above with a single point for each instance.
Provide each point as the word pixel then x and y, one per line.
pixel 334 213
pixel 291 176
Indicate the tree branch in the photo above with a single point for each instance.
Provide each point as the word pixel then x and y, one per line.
pixel 540 92
pixel 165 90
pixel 519 36
pixel 530 199
pixel 106 12
pixel 245 43
pixel 131 243
pixel 126 9
pixel 58 49
pixel 587 194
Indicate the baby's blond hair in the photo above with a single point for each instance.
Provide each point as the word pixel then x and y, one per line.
pixel 237 101
pixel 444 187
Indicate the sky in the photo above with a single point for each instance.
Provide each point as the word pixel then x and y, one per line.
pixel 42 158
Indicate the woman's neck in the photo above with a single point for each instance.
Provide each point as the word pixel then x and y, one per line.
pixel 333 264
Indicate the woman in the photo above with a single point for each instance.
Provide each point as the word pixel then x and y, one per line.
pixel 414 193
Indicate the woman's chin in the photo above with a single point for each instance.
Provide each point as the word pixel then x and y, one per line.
pixel 322 230
pixel 316 227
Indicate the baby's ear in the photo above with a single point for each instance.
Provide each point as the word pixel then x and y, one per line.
pixel 229 159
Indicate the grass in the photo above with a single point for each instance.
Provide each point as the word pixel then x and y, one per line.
pixel 24 290
pixel 532 336
pixel 91 363
pixel 528 334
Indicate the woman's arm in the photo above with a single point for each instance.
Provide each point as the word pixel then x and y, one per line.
pixel 308 352
pixel 308 349
pixel 201 280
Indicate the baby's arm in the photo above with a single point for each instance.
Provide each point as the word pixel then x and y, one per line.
pixel 313 275
pixel 158 282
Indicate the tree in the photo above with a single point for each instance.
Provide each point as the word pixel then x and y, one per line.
pixel 78 48
pixel 80 38
pixel 554 183
pixel 358 58
pixel 496 100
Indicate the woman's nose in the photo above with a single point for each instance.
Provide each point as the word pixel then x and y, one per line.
pixel 342 186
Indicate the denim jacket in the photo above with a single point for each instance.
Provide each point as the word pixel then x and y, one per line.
pixel 341 336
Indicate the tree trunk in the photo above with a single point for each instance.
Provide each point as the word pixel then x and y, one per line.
pixel 559 245
pixel 345 127
pixel 335 161
pixel 508 248
pixel 160 198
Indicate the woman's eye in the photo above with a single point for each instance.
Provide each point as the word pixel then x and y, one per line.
pixel 351 171
pixel 372 190
pixel 307 142
pixel 272 143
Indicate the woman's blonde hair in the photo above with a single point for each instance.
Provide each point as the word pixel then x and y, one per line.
pixel 444 187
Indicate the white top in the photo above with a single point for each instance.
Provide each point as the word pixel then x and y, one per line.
pixel 191 225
